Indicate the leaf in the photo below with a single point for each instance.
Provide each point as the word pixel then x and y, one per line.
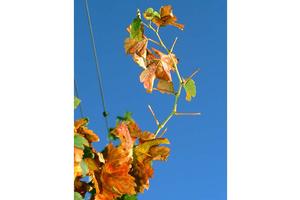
pixel 77 196
pixel 78 153
pixel 84 168
pixel 190 89
pixel 127 117
pixel 80 141
pixel 81 129
pixel 159 67
pixel 76 102
pixel 165 87
pixel 144 153
pixel 165 65
pixel 150 13
pixel 128 197
pixel 166 18
pixel 114 179
pixel 136 29
pixel 141 150
pixel 137 49
pixel 147 77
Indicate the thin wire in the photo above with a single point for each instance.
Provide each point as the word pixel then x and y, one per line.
pixel 99 77
pixel 77 95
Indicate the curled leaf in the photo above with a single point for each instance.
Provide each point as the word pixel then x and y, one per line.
pixel 166 18
pixel 144 153
pixel 150 13
pixel 81 129
pixel 165 87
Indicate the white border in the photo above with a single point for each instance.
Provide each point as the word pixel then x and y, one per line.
pixel 263 100
pixel 36 111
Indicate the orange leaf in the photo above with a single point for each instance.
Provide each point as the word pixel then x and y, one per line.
pixel 166 18
pixel 114 179
pixel 144 154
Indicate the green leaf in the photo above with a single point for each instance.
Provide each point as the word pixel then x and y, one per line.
pixel 80 141
pixel 128 197
pixel 150 13
pixel 84 167
pixel 76 102
pixel 77 196
pixel 136 30
pixel 190 89
pixel 126 117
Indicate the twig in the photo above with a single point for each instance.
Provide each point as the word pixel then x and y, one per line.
pixel 187 113
pixel 154 116
pixel 163 132
pixel 157 43
pixel 173 45
pixel 193 74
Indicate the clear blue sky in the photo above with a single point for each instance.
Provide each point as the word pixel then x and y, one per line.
pixel 196 168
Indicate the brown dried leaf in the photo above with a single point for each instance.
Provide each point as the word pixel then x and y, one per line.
pixel 166 18
pixel 165 87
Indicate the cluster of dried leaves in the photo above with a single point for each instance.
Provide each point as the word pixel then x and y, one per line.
pixel 119 171
pixel 155 63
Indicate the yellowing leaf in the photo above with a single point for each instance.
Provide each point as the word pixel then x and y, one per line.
pixel 190 89
pixel 136 29
pixel 81 129
pixel 144 154
pixel 150 13
pixel 141 150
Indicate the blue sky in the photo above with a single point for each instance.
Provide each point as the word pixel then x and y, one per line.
pixel 196 168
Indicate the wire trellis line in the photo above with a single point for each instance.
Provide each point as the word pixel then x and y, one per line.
pixel 99 76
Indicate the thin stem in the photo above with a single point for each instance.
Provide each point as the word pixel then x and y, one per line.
pixel 154 116
pixel 157 43
pixel 162 125
pixel 193 74
pixel 173 45
pixel 187 113
pixel 163 132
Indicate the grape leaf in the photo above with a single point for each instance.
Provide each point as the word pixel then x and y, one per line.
pixel 165 87
pixel 190 89
pixel 114 179
pixel 77 196
pixel 136 29
pixel 144 153
pixel 80 141
pixel 166 18
pixel 128 197
pixel 150 13
pixel 81 129
pixel 84 167
pixel 76 102
pixel 159 67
